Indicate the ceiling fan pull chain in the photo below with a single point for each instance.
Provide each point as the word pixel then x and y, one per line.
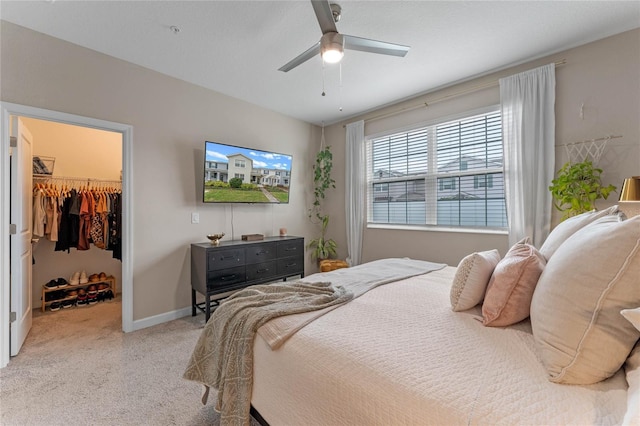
pixel 323 94
pixel 340 89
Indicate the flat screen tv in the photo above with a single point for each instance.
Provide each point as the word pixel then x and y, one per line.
pixel 234 174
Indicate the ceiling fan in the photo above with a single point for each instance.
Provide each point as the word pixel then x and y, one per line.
pixel 332 44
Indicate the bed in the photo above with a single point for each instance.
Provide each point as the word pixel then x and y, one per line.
pixel 398 354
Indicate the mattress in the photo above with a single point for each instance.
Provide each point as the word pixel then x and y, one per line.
pixel 399 355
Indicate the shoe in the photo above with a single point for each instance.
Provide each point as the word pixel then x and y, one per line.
pixel 83 278
pixel 75 278
pixel 102 276
pixel 51 284
pixel 71 293
pixel 48 297
pixel 66 304
pixel 62 282
pixel 108 295
pixel 55 306
pixel 92 299
pixel 94 278
pixel 92 289
pixel 103 287
pixel 82 298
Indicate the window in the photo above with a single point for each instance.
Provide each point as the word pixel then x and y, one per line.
pixel 239 175
pixel 448 174
pixel 240 163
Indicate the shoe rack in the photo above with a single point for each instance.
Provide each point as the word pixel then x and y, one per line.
pixel 110 280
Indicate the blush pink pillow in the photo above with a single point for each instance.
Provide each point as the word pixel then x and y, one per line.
pixel 508 297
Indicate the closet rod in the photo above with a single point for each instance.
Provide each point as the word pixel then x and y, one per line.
pixel 88 180
pixel 426 104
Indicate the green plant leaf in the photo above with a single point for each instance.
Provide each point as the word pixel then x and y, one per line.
pixel 576 188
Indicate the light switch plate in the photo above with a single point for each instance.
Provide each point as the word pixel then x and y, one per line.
pixel 195 217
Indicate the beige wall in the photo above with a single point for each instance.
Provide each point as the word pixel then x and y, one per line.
pixel 171 119
pixel 604 76
pixel 78 152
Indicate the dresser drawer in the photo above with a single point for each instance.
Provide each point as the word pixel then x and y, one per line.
pixel 225 258
pixel 258 253
pixel 261 271
pixel 291 266
pixel 291 248
pixel 225 277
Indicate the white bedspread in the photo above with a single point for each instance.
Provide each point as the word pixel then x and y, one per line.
pixel 398 355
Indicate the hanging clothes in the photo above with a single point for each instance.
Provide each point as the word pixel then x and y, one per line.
pixel 86 212
pixel 64 231
pixel 78 218
pixel 97 226
pixel 39 213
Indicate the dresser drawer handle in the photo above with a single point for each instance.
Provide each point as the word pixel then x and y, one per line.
pixel 290 249
pixel 227 257
pixel 289 265
pixel 227 277
pixel 258 253
pixel 260 271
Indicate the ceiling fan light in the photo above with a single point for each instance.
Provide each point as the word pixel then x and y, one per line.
pixel 331 48
pixel 332 56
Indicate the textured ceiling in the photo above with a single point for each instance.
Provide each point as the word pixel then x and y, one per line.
pixel 236 47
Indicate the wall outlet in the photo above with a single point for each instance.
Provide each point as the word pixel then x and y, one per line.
pixel 195 217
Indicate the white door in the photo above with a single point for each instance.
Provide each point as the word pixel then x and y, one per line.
pixel 21 217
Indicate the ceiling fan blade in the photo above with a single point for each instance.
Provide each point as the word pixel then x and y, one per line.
pixel 304 57
pixel 324 15
pixel 374 46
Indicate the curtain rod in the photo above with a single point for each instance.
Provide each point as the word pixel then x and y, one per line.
pixel 445 97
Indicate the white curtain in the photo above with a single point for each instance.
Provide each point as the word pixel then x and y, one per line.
pixel 528 129
pixel 355 191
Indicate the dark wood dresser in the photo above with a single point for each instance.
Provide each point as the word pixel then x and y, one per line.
pixel 218 270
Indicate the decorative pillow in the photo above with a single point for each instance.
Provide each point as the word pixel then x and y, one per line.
pixel 568 227
pixel 575 311
pixel 632 315
pixel 511 287
pixel 632 371
pixel 471 279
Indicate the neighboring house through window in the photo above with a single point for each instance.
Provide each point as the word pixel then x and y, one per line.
pixel 446 174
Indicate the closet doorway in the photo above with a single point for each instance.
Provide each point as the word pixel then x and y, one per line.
pixel 77 150
pixel 77 175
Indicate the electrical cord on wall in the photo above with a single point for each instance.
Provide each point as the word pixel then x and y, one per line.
pixel 232 234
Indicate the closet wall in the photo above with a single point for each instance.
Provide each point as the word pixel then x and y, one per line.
pixel 78 152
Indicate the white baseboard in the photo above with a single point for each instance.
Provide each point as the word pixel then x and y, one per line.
pixel 161 318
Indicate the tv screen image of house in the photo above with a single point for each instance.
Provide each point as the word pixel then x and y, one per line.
pixel 234 174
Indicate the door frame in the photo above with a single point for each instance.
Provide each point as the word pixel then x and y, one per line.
pixel 9 109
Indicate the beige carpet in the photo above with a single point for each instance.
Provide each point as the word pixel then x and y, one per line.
pixel 78 368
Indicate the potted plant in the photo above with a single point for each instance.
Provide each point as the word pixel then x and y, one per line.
pixel 577 187
pixel 322 247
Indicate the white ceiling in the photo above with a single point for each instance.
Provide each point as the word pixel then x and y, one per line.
pixel 236 47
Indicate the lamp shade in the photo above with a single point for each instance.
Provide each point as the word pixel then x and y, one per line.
pixel 630 189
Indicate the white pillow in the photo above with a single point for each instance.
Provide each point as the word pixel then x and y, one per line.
pixel 471 279
pixel 632 315
pixel 632 370
pixel 569 226
pixel 575 310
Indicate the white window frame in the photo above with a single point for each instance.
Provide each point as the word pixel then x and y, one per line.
pixel 431 179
